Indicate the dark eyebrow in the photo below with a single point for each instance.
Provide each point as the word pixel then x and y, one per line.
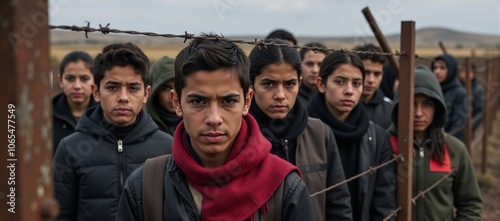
pixel 196 96
pixel 111 82
pixel 134 84
pixel 232 95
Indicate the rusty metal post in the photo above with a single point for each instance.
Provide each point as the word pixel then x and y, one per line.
pixel 486 115
pixel 405 122
pixel 468 89
pixel 441 45
pixel 381 39
pixel 26 181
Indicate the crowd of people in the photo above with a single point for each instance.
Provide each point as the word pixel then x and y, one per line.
pixel 257 137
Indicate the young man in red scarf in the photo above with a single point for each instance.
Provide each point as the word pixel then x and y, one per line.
pixel 220 167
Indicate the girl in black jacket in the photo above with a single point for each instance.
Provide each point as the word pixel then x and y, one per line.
pixel 275 73
pixel 75 79
pixel 361 143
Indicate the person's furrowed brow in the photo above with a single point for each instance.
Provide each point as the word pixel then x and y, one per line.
pixel 230 96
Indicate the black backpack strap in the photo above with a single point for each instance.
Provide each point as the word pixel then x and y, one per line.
pixel 275 205
pixel 152 187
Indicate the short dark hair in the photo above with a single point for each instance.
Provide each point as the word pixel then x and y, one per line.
pixel 262 56
pixel 76 56
pixel 283 35
pixel 373 57
pixel 211 54
pixel 303 51
pixel 121 54
pixel 333 61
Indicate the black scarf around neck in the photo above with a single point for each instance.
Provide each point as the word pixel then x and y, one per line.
pixel 276 129
pixel 354 127
pixel 169 119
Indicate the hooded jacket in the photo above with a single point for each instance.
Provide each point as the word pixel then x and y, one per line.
pixel 162 72
pixel 250 150
pixel 309 144
pixel 477 104
pixel 91 165
pixel 377 109
pixel 455 98
pixel 362 145
pixel 63 121
pixel 460 190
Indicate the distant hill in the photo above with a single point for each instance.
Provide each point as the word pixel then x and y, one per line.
pixel 427 37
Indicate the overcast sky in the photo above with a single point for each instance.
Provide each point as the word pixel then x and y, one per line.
pixel 258 17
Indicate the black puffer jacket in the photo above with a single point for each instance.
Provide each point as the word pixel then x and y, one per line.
pixel 63 121
pixel 178 203
pixel 455 97
pixel 378 108
pixel 91 165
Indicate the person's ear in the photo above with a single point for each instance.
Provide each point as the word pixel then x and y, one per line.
pixel 321 86
pixel 176 102
pixel 95 92
pixel 300 80
pixel 59 79
pixel 248 101
pixel 146 94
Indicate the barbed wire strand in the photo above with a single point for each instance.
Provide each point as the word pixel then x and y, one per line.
pixel 186 36
pixel 393 213
pixel 419 195
pixel 370 170
pixel 422 193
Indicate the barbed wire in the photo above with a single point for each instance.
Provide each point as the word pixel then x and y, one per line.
pixel 370 170
pixel 187 36
pixel 394 213
pixel 430 60
pixel 420 194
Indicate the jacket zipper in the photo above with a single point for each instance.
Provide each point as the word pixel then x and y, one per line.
pixel 420 162
pixel 182 192
pixel 121 166
pixel 284 142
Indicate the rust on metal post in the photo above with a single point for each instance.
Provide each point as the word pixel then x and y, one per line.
pixel 381 39
pixel 486 114
pixel 443 49
pixel 468 89
pixel 405 120
pixel 26 181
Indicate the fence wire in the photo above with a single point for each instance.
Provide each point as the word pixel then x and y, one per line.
pixel 420 195
pixel 187 36
pixel 370 170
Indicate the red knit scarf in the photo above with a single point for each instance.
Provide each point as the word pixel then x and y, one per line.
pixel 243 184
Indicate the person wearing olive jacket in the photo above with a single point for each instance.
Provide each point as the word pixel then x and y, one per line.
pixel 438 154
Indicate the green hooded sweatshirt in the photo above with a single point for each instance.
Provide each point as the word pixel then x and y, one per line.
pixel 460 190
pixel 161 72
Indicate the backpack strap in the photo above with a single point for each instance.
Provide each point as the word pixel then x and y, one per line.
pixel 275 205
pixel 152 187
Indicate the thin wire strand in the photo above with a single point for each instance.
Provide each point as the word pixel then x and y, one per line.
pixel 370 170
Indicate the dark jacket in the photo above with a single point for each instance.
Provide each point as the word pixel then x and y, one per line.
pixel 63 121
pixel 178 203
pixel 362 145
pixel 305 94
pixel 455 97
pixel 459 192
pixel 161 72
pixel 310 145
pixel 91 165
pixel 378 108
pixel 477 104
